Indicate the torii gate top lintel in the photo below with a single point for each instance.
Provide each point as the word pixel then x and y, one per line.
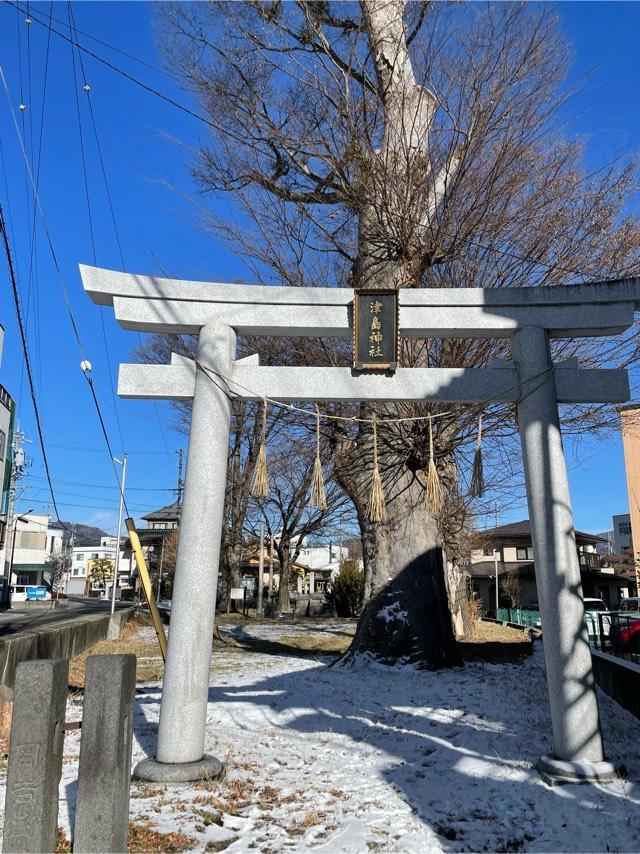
pixel 156 304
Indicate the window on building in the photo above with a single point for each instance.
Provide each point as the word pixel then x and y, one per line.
pixel 31 540
pixel 487 551
pixel 624 527
pixel 159 525
pixel 94 556
pixel 79 558
pixel 76 570
pixel 524 553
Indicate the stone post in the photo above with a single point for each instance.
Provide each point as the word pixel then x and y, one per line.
pixel 35 756
pixel 577 742
pixel 104 772
pixel 183 713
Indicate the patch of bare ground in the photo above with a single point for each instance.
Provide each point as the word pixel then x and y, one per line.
pixel 494 642
pixel 150 666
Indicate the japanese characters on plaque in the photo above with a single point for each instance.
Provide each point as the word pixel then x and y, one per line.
pixel 375 326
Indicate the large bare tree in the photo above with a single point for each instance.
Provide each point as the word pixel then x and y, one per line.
pixel 391 144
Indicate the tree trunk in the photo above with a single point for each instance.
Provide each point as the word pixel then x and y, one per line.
pixel 285 573
pixel 406 614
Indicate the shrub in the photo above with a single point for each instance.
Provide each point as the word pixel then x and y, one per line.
pixel 348 589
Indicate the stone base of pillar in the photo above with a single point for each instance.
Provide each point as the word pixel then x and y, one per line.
pixel 207 768
pixel 555 771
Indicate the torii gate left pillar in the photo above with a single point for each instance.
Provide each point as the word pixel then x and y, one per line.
pixel 180 755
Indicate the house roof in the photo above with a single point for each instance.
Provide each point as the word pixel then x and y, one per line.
pixel 525 569
pixel 487 568
pixel 522 530
pixel 170 513
pixel 594 575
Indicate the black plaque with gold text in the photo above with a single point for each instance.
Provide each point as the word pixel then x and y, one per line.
pixel 375 326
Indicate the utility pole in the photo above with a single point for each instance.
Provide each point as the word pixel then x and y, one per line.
pixel 123 463
pixel 18 466
pixel 495 558
pixel 261 568
pixel 180 488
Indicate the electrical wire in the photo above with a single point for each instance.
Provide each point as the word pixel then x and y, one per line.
pixel 87 89
pixel 61 281
pixel 121 72
pixel 27 361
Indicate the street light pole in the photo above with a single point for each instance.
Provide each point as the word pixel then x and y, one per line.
pixel 22 518
pixel 123 463
pixel 261 568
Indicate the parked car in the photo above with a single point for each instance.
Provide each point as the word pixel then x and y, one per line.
pixel 591 609
pixel 29 592
pixel 624 634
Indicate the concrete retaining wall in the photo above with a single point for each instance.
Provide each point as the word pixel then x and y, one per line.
pixel 59 640
pixel 619 679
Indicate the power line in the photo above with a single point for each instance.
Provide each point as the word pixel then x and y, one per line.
pixel 120 71
pixel 104 486
pixel 93 38
pixel 27 360
pixel 87 89
pixel 91 228
pixel 85 364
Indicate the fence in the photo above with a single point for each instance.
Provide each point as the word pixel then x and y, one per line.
pixel 520 616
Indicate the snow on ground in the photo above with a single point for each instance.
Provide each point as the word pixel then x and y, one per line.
pixel 379 758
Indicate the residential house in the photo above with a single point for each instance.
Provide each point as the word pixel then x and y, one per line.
pixel 509 547
pixel 161 524
pixel 321 565
pixel 36 540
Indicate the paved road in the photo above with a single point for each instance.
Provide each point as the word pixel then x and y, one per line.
pixel 23 618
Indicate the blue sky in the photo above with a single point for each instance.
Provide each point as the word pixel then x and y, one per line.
pixel 146 146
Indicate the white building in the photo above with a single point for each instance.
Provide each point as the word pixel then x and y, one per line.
pixel 80 580
pixel 36 540
pixel 322 564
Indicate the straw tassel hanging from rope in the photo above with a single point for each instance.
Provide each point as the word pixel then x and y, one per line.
pixel 435 495
pixel 377 504
pixel 317 498
pixel 476 488
pixel 260 483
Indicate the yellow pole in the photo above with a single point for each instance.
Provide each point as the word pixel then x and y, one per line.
pixel 146 586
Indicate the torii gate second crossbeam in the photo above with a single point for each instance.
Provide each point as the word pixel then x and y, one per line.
pixel 528 317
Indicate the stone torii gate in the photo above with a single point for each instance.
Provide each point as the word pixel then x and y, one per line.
pixel 528 317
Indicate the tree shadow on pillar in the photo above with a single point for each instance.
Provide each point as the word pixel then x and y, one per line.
pixel 403 620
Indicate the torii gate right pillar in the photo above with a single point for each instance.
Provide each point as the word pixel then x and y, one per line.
pixel 577 742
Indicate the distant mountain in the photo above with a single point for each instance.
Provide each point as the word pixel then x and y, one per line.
pixel 85 535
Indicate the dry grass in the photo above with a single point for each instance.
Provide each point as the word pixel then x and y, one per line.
pixel 144 840
pixel 63 846
pixel 150 666
pixel 316 642
pixel 496 633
